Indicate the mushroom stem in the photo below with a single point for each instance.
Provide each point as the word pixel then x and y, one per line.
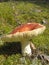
pixel 26 50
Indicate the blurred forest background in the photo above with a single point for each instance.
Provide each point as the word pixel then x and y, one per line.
pixel 24 0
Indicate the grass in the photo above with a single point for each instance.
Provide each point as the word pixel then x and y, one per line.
pixel 14 13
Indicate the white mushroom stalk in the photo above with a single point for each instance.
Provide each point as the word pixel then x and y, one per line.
pixel 23 34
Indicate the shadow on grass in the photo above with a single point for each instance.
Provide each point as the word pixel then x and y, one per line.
pixel 10 48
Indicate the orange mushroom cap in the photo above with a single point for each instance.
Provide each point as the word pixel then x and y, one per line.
pixel 26 27
pixel 24 32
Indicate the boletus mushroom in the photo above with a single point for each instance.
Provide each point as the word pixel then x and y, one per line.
pixel 24 33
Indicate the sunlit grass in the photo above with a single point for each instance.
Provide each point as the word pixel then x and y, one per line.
pixel 14 12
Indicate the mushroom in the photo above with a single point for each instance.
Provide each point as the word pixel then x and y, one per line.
pixel 24 33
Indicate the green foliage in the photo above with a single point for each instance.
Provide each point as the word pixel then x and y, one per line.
pixel 2 59
pixel 14 60
pixel 13 13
